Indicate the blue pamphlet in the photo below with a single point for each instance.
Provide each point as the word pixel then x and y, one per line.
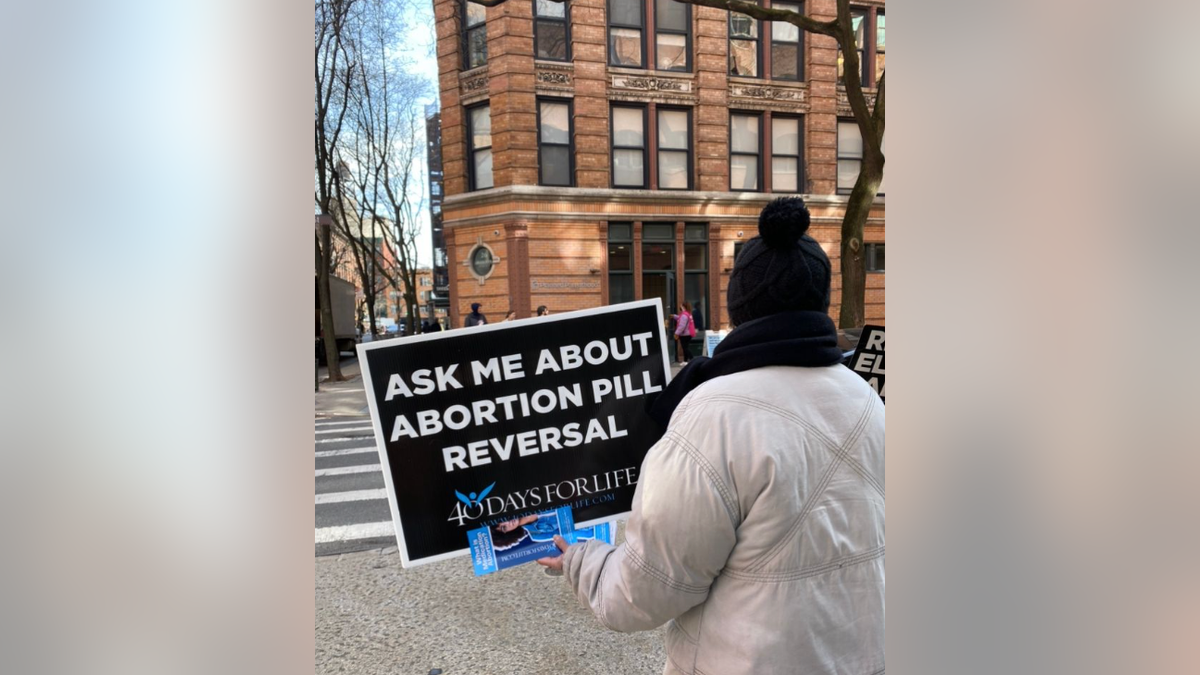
pixel 523 540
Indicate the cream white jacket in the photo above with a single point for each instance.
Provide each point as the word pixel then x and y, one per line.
pixel 757 530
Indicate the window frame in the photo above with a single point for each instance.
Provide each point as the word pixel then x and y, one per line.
pixel 869 49
pixel 799 47
pixel 620 241
pixel 871 251
pixel 801 173
pixel 875 46
pixel 472 179
pixel 570 145
pixel 641 28
pixel 613 147
pixel 690 146
pixel 757 114
pixel 686 33
pixel 758 56
pixel 565 20
pixel 859 158
pixel 466 37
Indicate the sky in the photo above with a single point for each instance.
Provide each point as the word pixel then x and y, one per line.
pixel 419 48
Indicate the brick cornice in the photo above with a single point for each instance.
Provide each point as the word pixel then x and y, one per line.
pixel 526 193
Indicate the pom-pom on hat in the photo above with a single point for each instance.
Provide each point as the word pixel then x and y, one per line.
pixel 781 269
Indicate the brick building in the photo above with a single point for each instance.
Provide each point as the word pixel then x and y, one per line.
pixel 600 151
pixel 440 299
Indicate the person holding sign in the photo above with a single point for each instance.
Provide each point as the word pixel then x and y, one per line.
pixel 757 527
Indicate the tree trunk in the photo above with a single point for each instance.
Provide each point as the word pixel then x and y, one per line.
pixel 858 207
pixel 328 334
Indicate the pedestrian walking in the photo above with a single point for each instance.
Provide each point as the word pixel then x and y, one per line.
pixel 475 318
pixel 543 311
pixel 511 316
pixel 685 330
pixel 757 527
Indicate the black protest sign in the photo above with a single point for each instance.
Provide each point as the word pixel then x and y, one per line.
pixel 486 424
pixel 868 358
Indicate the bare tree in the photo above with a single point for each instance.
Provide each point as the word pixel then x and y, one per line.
pixel 334 68
pixel 391 122
pixel 870 126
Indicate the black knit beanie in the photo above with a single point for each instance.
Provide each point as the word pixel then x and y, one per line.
pixel 781 269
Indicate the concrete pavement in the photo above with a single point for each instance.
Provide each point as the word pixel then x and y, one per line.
pixel 375 617
pixel 342 398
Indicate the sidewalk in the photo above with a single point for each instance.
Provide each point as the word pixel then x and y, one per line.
pixel 342 398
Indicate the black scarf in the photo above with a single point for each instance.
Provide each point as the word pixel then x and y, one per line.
pixel 793 338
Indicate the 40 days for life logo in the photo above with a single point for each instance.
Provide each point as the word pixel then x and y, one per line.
pixel 473 506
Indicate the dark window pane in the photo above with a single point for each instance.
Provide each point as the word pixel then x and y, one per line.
pixel 658 231
pixel 476 14
pixel 620 232
pixel 625 47
pixel 877 261
pixel 548 8
pixel 695 256
pixel 556 165
pixel 476 47
pixel 481 261
pixel 625 12
pixel 671 15
pixel 620 288
pixel 695 291
pixel 658 257
pixel 785 61
pixel 619 257
pixel 552 40
pixel 695 232
pixel 737 249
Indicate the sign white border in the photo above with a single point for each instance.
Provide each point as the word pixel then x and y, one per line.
pixel 368 389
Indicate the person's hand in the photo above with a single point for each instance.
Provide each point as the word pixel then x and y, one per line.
pixel 554 564
pixel 507 526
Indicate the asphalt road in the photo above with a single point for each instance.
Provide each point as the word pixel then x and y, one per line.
pixel 352 511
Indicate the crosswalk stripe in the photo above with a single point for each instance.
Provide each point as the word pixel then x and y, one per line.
pixel 342 431
pixel 345 451
pixel 352 496
pixel 344 423
pixel 356 437
pixel 341 470
pixel 326 535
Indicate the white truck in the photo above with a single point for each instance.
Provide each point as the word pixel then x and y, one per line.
pixel 341 293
